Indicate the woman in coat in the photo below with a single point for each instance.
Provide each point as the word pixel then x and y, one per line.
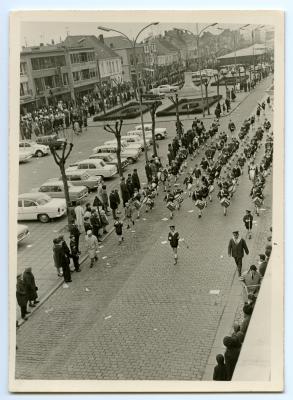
pixel 231 354
pixel 31 288
pixel 21 296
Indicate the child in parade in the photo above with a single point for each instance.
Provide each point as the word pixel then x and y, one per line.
pixel 118 225
pixel 173 238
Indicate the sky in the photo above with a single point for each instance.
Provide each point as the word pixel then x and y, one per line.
pixel 34 33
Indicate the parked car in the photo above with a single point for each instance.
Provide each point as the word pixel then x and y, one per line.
pixel 36 149
pixel 51 139
pixel 80 178
pixel 132 139
pixel 22 232
pixel 55 189
pixel 94 167
pixel 24 156
pixel 148 135
pixel 167 89
pixel 39 206
pixel 131 154
pixel 126 144
pixel 160 133
pixel 110 159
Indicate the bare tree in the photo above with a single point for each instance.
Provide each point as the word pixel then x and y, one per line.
pixel 116 130
pixel 179 126
pixel 60 160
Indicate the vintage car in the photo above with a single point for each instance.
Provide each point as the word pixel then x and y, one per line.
pixel 55 189
pixel 94 167
pixel 51 140
pixel 24 156
pixel 164 89
pixel 160 133
pixel 36 149
pixel 39 206
pixel 80 178
pixel 22 232
pixel 136 139
pixel 131 154
pixel 110 159
pixel 126 145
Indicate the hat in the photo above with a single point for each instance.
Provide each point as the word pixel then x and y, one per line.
pixel 88 232
pixel 235 232
pixel 253 268
pixel 172 226
pixel 262 257
pixel 248 211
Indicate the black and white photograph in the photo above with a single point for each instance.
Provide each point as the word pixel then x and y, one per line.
pixel 146 201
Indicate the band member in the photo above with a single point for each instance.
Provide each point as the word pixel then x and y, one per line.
pixel 173 238
pixel 248 219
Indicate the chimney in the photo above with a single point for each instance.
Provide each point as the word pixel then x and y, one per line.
pixel 52 42
pixel 101 38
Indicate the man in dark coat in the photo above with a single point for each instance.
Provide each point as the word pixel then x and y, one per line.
pixel 73 229
pixel 74 253
pixel 130 186
pixel 31 288
pixel 95 223
pixel 148 172
pixel 21 296
pixel 63 259
pixel 113 203
pixel 135 180
pixel 220 370
pixel 236 248
pixel 124 191
pixel 231 354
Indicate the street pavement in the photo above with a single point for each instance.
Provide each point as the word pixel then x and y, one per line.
pixel 136 315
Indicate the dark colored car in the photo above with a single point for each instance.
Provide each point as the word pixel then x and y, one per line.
pixel 49 140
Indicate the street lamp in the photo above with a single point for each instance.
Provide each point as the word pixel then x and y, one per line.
pixel 138 88
pixel 197 50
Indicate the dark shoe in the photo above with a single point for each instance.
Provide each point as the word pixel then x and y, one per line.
pixel 32 305
pixel 27 312
pixel 132 222
pixel 105 231
pixel 99 241
pixel 60 275
pixel 128 227
pixel 78 270
pixel 25 318
pixel 36 301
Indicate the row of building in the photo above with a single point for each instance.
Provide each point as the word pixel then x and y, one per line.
pixel 82 64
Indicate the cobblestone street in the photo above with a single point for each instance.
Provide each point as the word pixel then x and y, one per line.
pixel 135 315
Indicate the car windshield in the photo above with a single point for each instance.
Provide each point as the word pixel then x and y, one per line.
pixel 42 201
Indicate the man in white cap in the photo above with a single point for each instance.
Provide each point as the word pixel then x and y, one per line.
pixel 91 245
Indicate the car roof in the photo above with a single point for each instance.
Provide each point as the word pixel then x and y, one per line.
pixel 52 181
pixel 88 160
pixel 76 172
pixel 32 196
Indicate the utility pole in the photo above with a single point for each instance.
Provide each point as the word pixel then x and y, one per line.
pixel 153 109
pixel 60 160
pixel 117 133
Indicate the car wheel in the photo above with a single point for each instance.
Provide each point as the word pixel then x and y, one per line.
pixel 44 218
pixel 159 137
pixel 39 153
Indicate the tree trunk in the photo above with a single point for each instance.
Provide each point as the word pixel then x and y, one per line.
pixel 207 100
pixel 66 192
pixel 120 171
pixel 153 112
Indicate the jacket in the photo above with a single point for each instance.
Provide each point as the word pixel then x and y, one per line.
pixel 237 250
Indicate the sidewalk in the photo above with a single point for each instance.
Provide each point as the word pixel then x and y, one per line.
pixel 140 317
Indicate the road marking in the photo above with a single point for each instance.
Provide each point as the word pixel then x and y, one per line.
pixel 164 242
pixel 262 209
pixel 65 286
pixel 101 246
pixel 86 289
pixel 132 231
pixel 144 219
pixel 29 245
pixel 190 211
pixel 108 317
pixel 104 257
pixel 164 219
pixel 214 291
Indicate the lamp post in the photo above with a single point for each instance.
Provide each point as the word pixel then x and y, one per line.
pixel 133 45
pixel 198 33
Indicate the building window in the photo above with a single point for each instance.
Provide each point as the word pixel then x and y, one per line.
pixel 49 82
pixel 92 73
pixel 24 90
pixel 48 62
pixel 84 57
pixel 85 74
pixel 22 68
pixel 65 79
pixel 39 84
pixel 75 76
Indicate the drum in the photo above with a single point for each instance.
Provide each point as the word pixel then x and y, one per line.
pixel 171 206
pixel 257 201
pixel 179 198
pixel 225 202
pixel 200 204
pixel 136 204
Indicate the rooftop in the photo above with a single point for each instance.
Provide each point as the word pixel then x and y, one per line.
pixel 91 41
pixel 119 42
pixel 256 49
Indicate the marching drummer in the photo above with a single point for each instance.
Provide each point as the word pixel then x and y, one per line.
pixel 169 198
pixel 173 238
pixel 224 198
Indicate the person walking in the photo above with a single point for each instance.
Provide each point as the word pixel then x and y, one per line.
pixel 21 296
pixel 30 286
pixel 128 214
pixel 96 224
pixel 57 247
pixel 173 238
pixel 74 231
pixel 91 245
pixel 124 191
pixel 113 203
pixel 105 199
pixel 79 214
pixel 64 260
pixel 118 225
pixel 135 180
pixel 248 220
pixel 236 248
pixel 74 253
pixel 104 221
pixel 251 279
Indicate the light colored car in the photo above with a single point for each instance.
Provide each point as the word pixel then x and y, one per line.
pixel 37 150
pixel 94 167
pixel 131 139
pixel 55 189
pixel 24 156
pixel 39 206
pixel 160 133
pixel 125 144
pixel 164 89
pixel 22 232
pixel 80 178
pixel 131 154
pixel 110 159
